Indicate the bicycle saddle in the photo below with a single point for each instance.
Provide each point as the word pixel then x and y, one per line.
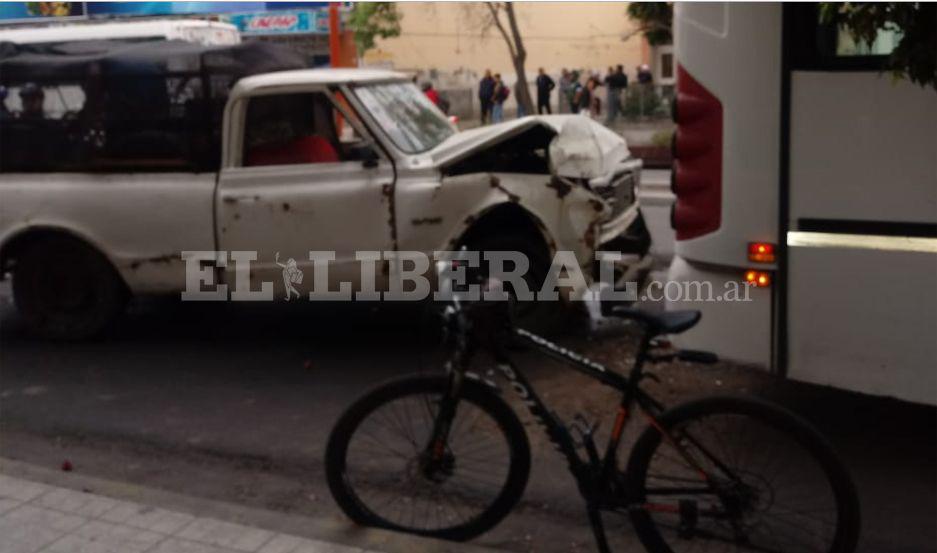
pixel 665 322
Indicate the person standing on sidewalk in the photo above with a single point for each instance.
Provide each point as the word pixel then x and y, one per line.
pixel 486 91
pixel 584 103
pixel 565 84
pixel 500 94
pixel 574 88
pixel 616 82
pixel 430 93
pixel 545 86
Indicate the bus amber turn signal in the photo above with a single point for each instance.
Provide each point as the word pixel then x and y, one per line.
pixel 761 252
pixel 758 279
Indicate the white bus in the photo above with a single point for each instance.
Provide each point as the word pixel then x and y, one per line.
pixel 803 167
pixel 189 30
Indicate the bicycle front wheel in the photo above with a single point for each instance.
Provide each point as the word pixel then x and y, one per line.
pixel 736 474
pixel 377 469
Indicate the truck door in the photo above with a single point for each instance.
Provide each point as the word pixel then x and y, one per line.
pixel 303 177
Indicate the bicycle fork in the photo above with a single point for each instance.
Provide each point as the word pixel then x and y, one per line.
pixel 435 455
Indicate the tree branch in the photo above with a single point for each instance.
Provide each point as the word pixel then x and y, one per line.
pixel 645 28
pixel 496 19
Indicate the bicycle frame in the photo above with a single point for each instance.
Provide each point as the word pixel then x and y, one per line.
pixel 595 475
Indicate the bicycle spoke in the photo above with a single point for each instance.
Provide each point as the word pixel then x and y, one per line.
pixel 386 458
pixel 771 498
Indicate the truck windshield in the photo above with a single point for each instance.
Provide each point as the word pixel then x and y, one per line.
pixel 409 118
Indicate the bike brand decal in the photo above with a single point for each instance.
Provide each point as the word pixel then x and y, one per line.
pixel 536 410
pixel 561 350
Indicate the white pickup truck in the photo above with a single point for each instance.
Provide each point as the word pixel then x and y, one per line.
pixel 340 160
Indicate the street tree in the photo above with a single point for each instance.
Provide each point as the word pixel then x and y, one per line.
pixel 915 56
pixel 654 20
pixel 370 20
pixel 502 17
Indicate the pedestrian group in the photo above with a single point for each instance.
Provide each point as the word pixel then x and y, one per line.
pixel 576 94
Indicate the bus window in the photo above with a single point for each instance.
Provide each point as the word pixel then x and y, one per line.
pixel 885 42
pixel 822 45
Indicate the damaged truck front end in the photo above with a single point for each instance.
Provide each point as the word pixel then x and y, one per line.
pixel 573 179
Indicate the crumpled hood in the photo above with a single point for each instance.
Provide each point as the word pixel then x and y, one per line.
pixel 582 148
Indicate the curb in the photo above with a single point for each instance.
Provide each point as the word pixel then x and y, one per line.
pixel 331 530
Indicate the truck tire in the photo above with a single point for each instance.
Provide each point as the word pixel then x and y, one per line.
pixel 536 316
pixel 66 290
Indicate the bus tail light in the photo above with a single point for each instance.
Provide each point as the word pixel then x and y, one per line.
pixel 761 252
pixel 758 279
pixel 697 152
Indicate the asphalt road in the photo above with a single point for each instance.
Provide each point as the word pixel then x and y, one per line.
pixel 234 402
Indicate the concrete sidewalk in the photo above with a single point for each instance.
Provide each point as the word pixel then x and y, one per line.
pixel 38 516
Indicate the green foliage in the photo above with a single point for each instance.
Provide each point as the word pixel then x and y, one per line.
pixel 655 20
pixel 662 139
pixel 915 57
pixel 369 20
pixel 641 101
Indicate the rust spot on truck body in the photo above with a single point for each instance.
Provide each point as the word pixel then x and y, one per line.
pixel 496 184
pixel 387 190
pixel 562 187
pixel 589 237
pixel 426 221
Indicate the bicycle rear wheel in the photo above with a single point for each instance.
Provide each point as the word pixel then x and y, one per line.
pixel 378 474
pixel 737 474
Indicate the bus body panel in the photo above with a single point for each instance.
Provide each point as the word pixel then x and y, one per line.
pixel 737 330
pixel 864 320
pixel 854 304
pixel 734 51
pixel 863 148
pixel 863 152
pixel 196 31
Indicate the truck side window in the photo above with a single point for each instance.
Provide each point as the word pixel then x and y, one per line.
pixel 40 127
pixel 290 129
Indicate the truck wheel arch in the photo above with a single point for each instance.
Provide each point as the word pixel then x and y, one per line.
pixel 14 245
pixel 505 217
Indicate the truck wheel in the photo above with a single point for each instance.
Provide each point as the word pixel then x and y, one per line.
pixel 65 290
pixel 537 316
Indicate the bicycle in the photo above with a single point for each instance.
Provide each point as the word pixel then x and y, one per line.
pixel 398 458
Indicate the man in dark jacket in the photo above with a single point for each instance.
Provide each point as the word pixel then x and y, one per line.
pixel 486 91
pixel 616 84
pixel 545 86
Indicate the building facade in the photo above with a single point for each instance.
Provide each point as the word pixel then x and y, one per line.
pixel 453 38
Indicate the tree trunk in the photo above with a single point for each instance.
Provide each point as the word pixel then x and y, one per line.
pixel 516 50
pixel 519 58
